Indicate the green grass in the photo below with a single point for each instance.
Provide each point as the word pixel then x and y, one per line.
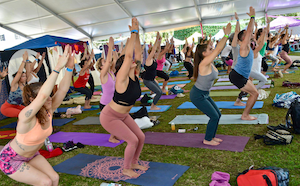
pixel 202 162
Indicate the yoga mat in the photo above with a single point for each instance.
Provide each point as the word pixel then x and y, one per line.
pixel 180 75
pixel 174 79
pixel 225 119
pixel 230 143
pixel 164 97
pixel 226 93
pixel 76 95
pixel 64 109
pixel 88 121
pixel 97 93
pixel 222 105
pixel 176 82
pixel 169 87
pixel 8 134
pixel 290 72
pixel 95 139
pixel 110 168
pixel 232 87
pixel 55 122
pixel 227 78
pixel 255 82
pixel 163 108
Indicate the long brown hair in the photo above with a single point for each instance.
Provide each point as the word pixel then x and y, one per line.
pixel 198 58
pixel 31 91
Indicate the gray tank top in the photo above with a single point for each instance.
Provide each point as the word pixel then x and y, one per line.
pixel 205 82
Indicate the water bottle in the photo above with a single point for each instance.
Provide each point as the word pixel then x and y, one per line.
pixel 167 91
pixel 272 83
pixel 48 145
pixel 110 184
pixel 172 126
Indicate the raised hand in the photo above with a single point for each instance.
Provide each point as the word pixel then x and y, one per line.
pixel 25 56
pixel 43 55
pixel 111 42
pixel 4 72
pixel 255 23
pixel 227 30
pixel 236 16
pixel 70 63
pixel 134 24
pixel 268 20
pixel 172 40
pixel 251 11
pixel 37 55
pixel 62 60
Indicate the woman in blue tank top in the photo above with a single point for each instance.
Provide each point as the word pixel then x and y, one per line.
pixel 204 74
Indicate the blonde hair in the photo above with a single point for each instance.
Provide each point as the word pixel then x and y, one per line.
pixel 99 64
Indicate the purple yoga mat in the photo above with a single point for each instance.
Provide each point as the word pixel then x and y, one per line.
pixel 230 143
pixel 232 87
pixel 164 97
pixel 95 139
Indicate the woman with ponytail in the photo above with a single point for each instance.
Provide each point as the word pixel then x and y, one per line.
pixel 20 159
pixel 204 74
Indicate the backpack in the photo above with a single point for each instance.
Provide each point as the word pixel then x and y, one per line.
pixel 140 113
pixel 257 178
pixel 174 73
pixel 282 175
pixel 274 138
pixel 146 100
pixel 176 89
pixel 294 112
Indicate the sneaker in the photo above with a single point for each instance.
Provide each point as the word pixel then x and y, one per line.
pixel 245 98
pixel 69 146
pixel 180 95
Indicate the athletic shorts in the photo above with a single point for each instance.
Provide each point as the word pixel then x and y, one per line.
pixel 237 79
pixel 10 161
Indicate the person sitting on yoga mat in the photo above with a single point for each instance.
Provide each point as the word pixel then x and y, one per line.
pixel 108 79
pixel 14 104
pixel 31 72
pixel 284 40
pixel 161 59
pixel 3 74
pixel 150 73
pixel 20 159
pixel 188 52
pixel 241 71
pixel 84 76
pixel 115 117
pixel 204 74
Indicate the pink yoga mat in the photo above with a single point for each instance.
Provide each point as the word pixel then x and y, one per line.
pixel 95 139
pixel 230 143
pixel 97 92
pixel 232 87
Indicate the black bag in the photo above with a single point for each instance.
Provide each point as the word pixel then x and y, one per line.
pixel 140 113
pixel 283 175
pixel 294 113
pixel 146 99
pixel 273 138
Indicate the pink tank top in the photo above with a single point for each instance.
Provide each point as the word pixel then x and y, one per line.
pixel 108 89
pixel 160 63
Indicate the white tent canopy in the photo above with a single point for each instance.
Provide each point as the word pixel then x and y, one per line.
pixel 194 36
pixel 219 35
pixel 94 19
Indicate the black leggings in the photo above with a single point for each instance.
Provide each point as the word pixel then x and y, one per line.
pixel 162 74
pixel 189 67
pixel 91 83
pixel 84 90
pixel 264 64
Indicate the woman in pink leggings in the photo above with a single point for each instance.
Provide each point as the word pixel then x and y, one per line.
pixel 285 49
pixel 115 117
pixel 14 104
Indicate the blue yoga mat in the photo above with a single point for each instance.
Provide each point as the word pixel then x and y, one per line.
pixel 110 168
pixel 64 109
pixel 55 122
pixel 222 104
pixel 290 72
pixel 179 75
pixel 163 108
pixel 176 82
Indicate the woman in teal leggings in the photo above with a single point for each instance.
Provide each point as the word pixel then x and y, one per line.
pixel 204 74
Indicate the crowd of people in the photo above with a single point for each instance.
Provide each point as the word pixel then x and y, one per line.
pixel 30 100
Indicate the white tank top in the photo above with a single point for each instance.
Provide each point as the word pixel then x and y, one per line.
pixel 256 66
pixel 34 78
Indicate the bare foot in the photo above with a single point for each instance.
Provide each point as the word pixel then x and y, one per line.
pixel 217 140
pixel 93 97
pixel 285 72
pixel 212 142
pixel 139 167
pixel 239 103
pixel 113 139
pixel 130 173
pixel 274 69
pixel 248 117
pixel 154 107
pixel 87 107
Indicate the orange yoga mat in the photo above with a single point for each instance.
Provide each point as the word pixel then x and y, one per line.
pixel 8 134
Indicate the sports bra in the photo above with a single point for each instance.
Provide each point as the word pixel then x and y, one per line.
pixel 150 72
pixel 131 94
pixel 36 135
pixel 34 78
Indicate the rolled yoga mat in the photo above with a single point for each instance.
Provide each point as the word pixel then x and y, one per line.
pixel 88 121
pixel 233 87
pixel 95 139
pixel 225 119
pixel 230 143
pixel 223 83
pixel 110 168
pixel 222 104
pixel 226 93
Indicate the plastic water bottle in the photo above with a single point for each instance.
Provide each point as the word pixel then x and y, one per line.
pixel 110 184
pixel 167 91
pixel 172 126
pixel 48 145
